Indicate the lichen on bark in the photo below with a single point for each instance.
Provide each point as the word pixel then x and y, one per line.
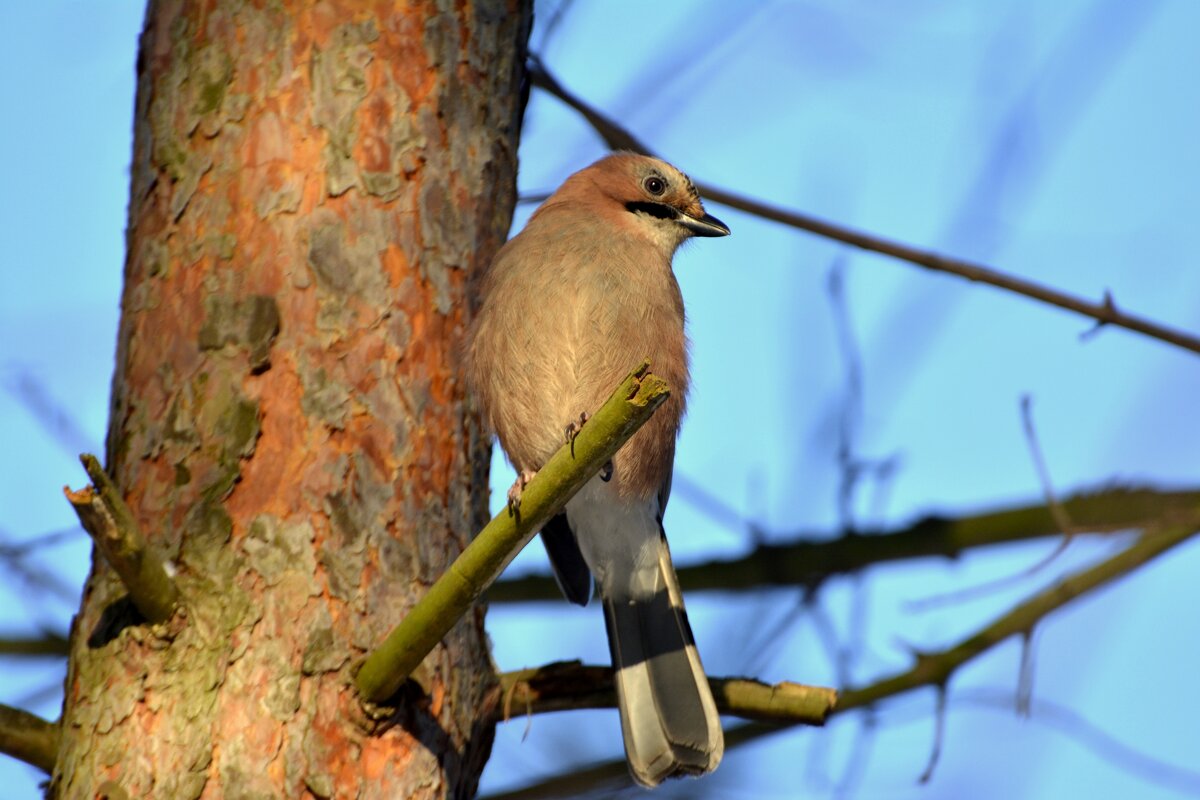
pixel 288 422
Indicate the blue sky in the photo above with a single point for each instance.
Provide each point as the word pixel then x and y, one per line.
pixel 1054 141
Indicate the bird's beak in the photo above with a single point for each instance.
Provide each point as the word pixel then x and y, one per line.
pixel 708 225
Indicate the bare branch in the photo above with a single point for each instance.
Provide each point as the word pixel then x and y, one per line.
pixel 1145 765
pixel 1104 312
pixel 111 523
pixel 630 405
pixel 60 422
pixel 13 550
pixel 931 669
pixel 709 504
pixel 571 685
pixel 1061 518
pixel 814 557
pixel 16 559
pixel 1043 470
pixel 935 669
pixel 614 135
pixel 51 644
pixel 28 737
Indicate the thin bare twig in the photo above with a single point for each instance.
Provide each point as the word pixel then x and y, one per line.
pixel 1091 736
pixel 31 545
pixel 939 736
pixel 16 558
pixel 60 422
pixel 1043 470
pixel 711 505
pixel 1024 698
pixel 1057 512
pixel 761 642
pixel 1104 312
pixel 934 669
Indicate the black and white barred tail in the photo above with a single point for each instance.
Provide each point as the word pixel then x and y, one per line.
pixel 668 716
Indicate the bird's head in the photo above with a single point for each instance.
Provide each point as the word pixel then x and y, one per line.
pixel 647 196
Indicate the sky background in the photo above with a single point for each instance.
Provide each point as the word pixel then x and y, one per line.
pixel 1055 141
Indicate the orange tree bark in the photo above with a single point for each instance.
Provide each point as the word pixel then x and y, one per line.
pixel 313 184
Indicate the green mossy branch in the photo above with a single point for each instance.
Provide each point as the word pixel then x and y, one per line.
pixel 570 685
pixel 485 557
pixel 815 557
pixel 105 516
pixel 28 738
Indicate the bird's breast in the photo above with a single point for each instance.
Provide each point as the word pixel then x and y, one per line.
pixel 569 323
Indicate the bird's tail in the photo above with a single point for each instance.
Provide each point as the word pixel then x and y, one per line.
pixel 668 716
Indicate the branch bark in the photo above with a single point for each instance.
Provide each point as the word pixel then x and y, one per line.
pixel 571 685
pixel 108 520
pixel 1104 312
pixel 28 737
pixel 630 405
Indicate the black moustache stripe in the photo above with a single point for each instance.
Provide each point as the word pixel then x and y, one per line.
pixel 656 210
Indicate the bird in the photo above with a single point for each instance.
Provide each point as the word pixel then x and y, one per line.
pixel 566 308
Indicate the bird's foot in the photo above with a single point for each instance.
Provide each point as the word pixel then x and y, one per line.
pixel 571 433
pixel 514 491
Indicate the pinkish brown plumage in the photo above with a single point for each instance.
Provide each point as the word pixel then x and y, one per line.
pixel 571 304
pixel 581 296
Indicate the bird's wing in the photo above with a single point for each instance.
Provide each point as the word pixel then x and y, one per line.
pixel 570 570
pixel 664 494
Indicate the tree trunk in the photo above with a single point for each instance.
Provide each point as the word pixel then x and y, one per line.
pixel 313 184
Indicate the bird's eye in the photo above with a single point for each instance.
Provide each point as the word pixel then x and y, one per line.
pixel 655 185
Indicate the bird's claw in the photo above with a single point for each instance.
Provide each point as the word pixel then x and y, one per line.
pixel 572 430
pixel 514 491
pixel 572 433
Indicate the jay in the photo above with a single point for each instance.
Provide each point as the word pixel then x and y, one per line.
pixel 567 307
